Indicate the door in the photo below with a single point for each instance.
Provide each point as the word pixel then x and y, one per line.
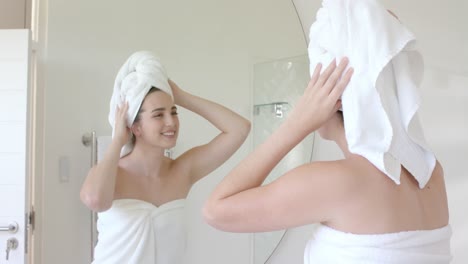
pixel 12 15
pixel 14 126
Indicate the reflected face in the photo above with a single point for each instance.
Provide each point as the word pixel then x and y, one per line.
pixel 158 123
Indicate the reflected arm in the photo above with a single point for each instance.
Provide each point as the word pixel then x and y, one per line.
pixel 97 192
pixel 234 129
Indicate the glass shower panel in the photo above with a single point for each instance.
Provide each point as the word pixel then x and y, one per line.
pixel 277 86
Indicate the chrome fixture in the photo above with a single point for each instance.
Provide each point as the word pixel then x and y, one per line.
pixel 13 227
pixel 277 108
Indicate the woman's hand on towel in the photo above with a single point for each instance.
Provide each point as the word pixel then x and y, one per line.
pixel 233 130
pixel 321 98
pixel 97 192
pixel 122 132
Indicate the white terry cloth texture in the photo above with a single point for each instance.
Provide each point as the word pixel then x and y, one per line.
pixel 142 71
pixel 381 101
pixel 103 143
pixel 410 247
pixel 137 232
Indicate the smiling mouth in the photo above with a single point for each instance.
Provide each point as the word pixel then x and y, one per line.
pixel 171 133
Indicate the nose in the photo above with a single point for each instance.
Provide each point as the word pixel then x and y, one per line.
pixel 169 120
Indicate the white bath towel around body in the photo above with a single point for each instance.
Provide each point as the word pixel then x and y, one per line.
pixel 381 101
pixel 137 232
pixel 329 246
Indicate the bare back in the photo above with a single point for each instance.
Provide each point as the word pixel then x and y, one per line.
pixel 381 206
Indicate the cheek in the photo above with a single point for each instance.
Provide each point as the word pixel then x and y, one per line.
pixel 155 124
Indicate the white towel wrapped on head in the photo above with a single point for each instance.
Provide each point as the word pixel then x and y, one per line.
pixel 142 71
pixel 381 101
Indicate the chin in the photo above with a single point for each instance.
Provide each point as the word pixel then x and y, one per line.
pixel 165 145
pixel 168 145
pixel 171 145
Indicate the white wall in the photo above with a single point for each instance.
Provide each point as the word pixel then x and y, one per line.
pixel 208 48
pixel 444 117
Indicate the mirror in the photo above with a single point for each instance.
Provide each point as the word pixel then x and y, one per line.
pixel 277 86
pixel 210 48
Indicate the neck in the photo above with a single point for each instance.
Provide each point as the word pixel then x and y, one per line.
pixel 343 145
pixel 147 160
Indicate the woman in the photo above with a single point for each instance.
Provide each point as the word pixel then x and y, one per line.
pixel 367 213
pixel 349 195
pixel 140 196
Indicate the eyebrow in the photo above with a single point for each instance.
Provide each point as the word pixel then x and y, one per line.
pixel 163 108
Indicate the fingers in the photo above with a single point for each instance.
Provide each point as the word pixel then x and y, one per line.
pixel 339 87
pixel 121 110
pixel 125 108
pixel 337 106
pixel 326 74
pixel 336 75
pixel 315 75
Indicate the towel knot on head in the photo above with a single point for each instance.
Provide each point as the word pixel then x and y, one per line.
pixel 141 72
pixel 381 101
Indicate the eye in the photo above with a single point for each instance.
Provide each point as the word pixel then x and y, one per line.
pixel 158 115
pixel 174 113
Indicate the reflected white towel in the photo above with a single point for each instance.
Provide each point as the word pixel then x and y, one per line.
pixel 381 101
pixel 103 143
pixel 136 77
pixel 137 232
pixel 412 247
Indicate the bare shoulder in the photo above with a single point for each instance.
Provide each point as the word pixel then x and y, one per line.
pixel 123 181
pixel 344 181
pixel 180 165
pixel 345 173
pixel 322 190
pixel 332 181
